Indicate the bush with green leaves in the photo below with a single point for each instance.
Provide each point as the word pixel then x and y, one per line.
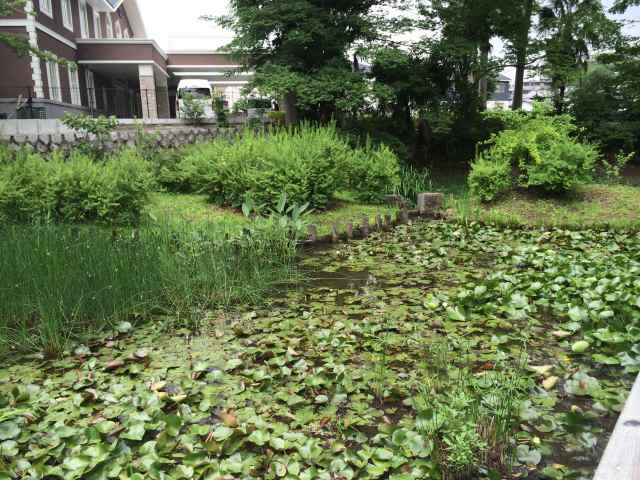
pixel 489 178
pixel 536 152
pixel 373 172
pixel 75 189
pixel 95 131
pixel 192 109
pixel 307 164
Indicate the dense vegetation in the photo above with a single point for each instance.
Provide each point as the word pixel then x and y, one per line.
pixel 74 188
pixel 424 93
pixel 441 350
pixel 60 285
pixel 309 164
pixel 536 152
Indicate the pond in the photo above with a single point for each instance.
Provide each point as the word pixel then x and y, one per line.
pixel 437 350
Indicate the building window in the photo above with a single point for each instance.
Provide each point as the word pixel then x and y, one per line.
pixel 74 85
pixel 91 89
pixel 53 75
pixel 46 8
pixel 67 14
pixel 109 25
pixel 97 25
pixel 84 19
pixel 118 30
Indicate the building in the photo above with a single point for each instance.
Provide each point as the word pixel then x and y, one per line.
pixel 502 96
pixel 535 89
pixel 119 70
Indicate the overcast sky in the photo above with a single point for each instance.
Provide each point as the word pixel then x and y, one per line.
pixel 176 25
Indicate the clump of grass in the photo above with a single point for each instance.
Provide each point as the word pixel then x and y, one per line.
pixel 413 181
pixel 60 284
pixel 470 415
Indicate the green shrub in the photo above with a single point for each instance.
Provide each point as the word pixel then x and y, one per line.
pixel 489 178
pixel 373 173
pixel 541 152
pixel 192 109
pixel 76 189
pixel 95 132
pixel 308 164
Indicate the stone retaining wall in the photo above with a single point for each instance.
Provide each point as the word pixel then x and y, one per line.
pixel 165 137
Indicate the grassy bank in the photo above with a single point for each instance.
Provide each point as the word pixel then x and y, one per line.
pixel 60 284
pixel 195 209
pixel 593 205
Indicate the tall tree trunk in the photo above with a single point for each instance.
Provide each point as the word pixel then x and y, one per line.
pixel 522 47
pixel 483 84
pixel 559 92
pixel 518 89
pixel 290 108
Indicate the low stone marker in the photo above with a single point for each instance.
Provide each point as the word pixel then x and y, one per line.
pixel 430 202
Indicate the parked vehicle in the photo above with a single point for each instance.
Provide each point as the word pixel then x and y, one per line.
pixel 201 91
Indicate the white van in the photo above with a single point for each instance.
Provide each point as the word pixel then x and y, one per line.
pixel 201 91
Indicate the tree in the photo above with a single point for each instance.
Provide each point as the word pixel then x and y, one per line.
pixel 516 30
pixel 621 6
pixel 571 30
pixel 299 50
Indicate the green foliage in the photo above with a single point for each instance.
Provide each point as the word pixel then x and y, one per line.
pixel 413 181
pixel 476 379
pixel 373 172
pixel 291 218
pixel 276 117
pixel 541 153
pixel 613 169
pixel 75 189
pixel 59 284
pixel 192 109
pixel 602 106
pixel 489 178
pixel 101 127
pixel 308 164
pixel 95 130
pixel 570 31
pixel 221 113
pixel 276 41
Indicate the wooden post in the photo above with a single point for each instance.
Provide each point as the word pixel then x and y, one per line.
pixel 349 230
pixel 334 233
pixel 379 225
pixel 365 226
pixel 313 233
pixel 387 220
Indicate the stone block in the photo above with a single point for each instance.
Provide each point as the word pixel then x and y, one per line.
pixel 430 202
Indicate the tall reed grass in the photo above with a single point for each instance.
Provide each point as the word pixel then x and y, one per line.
pixel 413 181
pixel 61 284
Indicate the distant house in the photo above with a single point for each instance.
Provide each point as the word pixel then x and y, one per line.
pixel 502 96
pixel 535 89
pixel 120 71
